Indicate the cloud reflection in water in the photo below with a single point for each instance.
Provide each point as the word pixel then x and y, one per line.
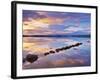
pixel 78 56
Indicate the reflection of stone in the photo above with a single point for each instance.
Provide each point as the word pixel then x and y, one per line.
pixel 75 49
pixel 88 41
pixel 31 58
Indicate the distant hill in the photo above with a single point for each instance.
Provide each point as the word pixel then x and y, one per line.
pixel 74 34
pixel 56 35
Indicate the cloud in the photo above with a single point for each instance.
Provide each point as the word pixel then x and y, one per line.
pixel 38 26
pixel 37 22
pixel 43 31
pixel 75 29
pixel 32 14
pixel 51 20
pixel 34 24
pixel 41 13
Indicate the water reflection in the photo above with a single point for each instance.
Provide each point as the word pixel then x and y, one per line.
pixel 74 57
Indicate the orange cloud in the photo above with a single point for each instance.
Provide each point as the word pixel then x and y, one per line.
pixel 34 24
pixel 51 20
pixel 40 25
pixel 41 22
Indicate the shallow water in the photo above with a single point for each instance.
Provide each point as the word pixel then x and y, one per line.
pixel 74 57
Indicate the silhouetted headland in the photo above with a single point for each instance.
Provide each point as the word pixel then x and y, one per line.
pixel 56 35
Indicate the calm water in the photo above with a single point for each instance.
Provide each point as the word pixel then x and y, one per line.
pixel 73 57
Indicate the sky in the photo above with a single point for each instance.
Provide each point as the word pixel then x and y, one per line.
pixel 51 23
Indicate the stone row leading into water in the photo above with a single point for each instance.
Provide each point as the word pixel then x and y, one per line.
pixel 61 49
pixel 32 57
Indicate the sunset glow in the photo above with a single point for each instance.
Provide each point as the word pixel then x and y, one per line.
pixel 49 23
pixel 56 39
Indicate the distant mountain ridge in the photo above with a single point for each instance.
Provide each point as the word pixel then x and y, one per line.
pixel 56 35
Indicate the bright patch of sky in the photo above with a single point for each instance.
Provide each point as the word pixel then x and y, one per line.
pixel 34 22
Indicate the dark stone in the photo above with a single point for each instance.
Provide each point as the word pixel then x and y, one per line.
pixel 64 48
pixel 71 45
pixel 61 49
pixel 78 44
pixel 31 58
pixel 75 45
pixel 67 47
pixel 52 51
pixel 57 50
pixel 81 43
pixel 46 53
